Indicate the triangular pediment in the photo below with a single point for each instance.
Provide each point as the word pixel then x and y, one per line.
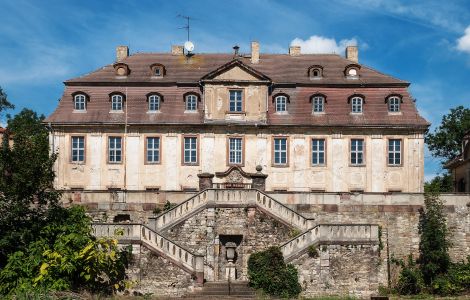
pixel 235 70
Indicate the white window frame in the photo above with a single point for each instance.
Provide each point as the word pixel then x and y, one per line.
pixel 153 144
pixel 114 149
pixel 357 152
pixel 394 152
pixel 280 151
pixel 191 102
pixel 318 104
pixel 116 102
pixel 236 98
pixel 77 154
pixel 318 152
pixel 394 104
pixel 281 104
pixel 235 151
pixel 154 103
pixel 357 105
pixel 190 150
pixel 79 102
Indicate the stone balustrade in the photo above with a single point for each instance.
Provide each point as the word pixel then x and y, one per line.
pixel 134 232
pixel 331 234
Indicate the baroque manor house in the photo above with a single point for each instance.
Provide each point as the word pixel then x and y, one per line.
pixel 284 122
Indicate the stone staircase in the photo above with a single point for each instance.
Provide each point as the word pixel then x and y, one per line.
pixel 224 290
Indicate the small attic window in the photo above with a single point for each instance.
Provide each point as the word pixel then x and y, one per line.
pixel 121 69
pixel 315 72
pixel 157 70
pixel 352 71
pixel 394 102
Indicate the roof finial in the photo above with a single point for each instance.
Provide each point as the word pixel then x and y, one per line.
pixel 235 50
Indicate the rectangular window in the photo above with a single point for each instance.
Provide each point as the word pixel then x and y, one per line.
pixel 153 150
pixel 190 150
pixel 318 151
pixel 356 103
pixel 114 149
pixel 236 101
pixel 78 149
pixel 280 151
pixel 394 152
pixel 357 152
pixel 318 104
pixel 235 151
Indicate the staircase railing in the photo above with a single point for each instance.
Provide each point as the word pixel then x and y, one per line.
pixel 331 234
pixel 135 232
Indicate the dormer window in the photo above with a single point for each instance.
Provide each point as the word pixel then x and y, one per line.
pixel 154 100
pixel 79 102
pixel 121 69
pixel 357 105
pixel 318 103
pixel 157 70
pixel 315 72
pixel 191 102
pixel 393 102
pixel 280 103
pixel 117 100
pixel 352 71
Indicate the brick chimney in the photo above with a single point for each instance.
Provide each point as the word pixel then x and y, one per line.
pixel 254 52
pixel 352 53
pixel 177 50
pixel 294 50
pixel 121 52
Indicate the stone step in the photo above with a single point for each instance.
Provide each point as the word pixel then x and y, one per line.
pixel 220 290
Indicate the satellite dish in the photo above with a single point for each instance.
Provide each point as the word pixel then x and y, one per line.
pixel 189 46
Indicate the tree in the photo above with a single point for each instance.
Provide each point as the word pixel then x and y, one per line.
pixel 445 142
pixel 434 244
pixel 4 103
pixel 439 184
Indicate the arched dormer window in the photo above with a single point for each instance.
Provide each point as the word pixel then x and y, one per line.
pixel 79 101
pixel 352 71
pixel 318 103
pixel 121 69
pixel 117 101
pixel 357 103
pixel 191 99
pixel 157 70
pixel 154 100
pixel 315 72
pixel 394 102
pixel 280 102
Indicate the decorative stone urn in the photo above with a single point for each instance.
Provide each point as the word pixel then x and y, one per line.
pixel 230 271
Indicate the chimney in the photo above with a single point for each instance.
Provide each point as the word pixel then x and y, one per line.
pixel 254 52
pixel 177 50
pixel 121 52
pixel 352 53
pixel 294 50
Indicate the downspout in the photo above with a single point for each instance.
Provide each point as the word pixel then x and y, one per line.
pixel 125 143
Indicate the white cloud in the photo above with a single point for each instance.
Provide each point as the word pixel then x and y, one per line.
pixel 463 43
pixel 320 44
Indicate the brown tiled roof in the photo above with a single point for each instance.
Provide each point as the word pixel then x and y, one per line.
pixel 288 73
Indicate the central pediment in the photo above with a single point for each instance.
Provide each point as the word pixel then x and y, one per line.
pixel 235 70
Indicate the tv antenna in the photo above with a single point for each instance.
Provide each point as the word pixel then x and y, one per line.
pixel 187 27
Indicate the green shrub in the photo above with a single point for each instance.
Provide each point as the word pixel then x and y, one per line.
pixel 312 251
pixel 455 281
pixel 168 205
pixel 268 271
pixel 157 210
pixel 294 232
pixel 410 281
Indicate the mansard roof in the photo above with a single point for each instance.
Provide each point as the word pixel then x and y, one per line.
pixel 279 68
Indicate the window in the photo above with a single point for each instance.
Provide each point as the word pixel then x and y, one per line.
pixel 394 104
pixel 158 72
pixel 315 72
pixel 356 105
pixel 235 101
pixel 78 149
pixel 115 149
pixel 190 150
pixel 153 150
pixel 191 102
pixel 352 72
pixel 394 152
pixel 280 151
pixel 116 102
pixel 154 103
pixel 318 151
pixel 318 104
pixel 235 151
pixel 80 102
pixel 357 152
pixel 281 104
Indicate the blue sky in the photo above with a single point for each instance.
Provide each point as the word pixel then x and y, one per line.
pixel 43 43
